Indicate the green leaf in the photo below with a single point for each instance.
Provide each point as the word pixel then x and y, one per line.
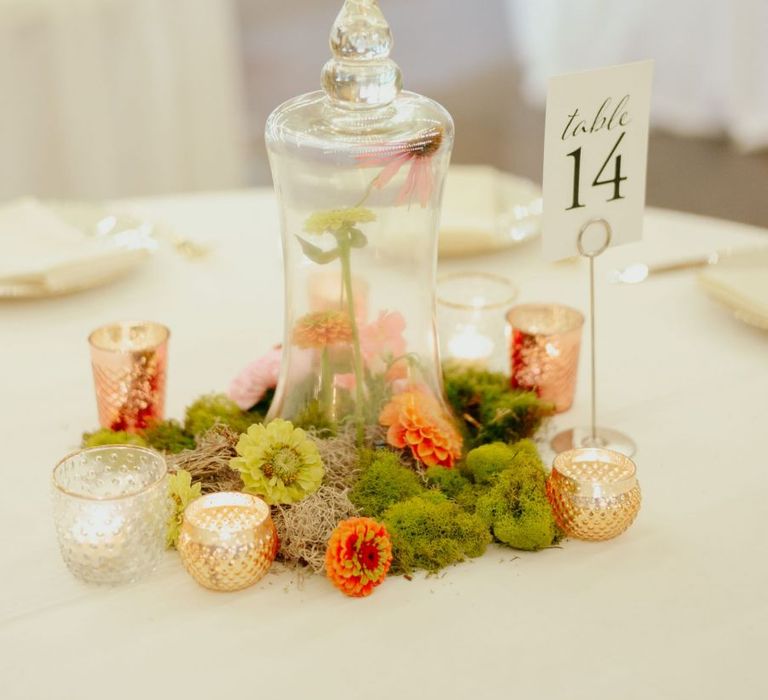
pixel 357 238
pixel 317 254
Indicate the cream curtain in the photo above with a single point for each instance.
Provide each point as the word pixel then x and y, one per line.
pixel 102 98
pixel 711 56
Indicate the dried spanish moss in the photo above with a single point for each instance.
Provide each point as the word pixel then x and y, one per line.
pixel 339 455
pixel 304 528
pixel 208 463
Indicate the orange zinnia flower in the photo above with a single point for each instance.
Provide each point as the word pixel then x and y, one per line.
pixel 316 330
pixel 358 557
pixel 416 420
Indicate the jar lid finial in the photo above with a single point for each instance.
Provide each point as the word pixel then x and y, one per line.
pixel 361 74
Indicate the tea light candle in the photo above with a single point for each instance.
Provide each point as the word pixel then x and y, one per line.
pixel 98 537
pixel 228 540
pixel 111 512
pixel 101 523
pixel 470 346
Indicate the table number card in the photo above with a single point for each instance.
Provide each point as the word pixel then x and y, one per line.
pixel 595 153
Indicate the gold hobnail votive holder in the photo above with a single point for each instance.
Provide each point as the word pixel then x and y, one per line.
pixel 228 540
pixel 594 493
pixel 545 340
pixel 130 364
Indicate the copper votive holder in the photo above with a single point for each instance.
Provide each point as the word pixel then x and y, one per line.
pixel 129 362
pixel 228 540
pixel 545 340
pixel 594 493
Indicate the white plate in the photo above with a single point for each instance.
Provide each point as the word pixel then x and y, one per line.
pixel 126 234
pixel 485 210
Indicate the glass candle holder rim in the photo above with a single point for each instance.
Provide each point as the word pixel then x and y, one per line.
pixel 154 454
pixel 96 344
pixel 487 276
pixel 563 461
pixel 209 500
pixel 576 316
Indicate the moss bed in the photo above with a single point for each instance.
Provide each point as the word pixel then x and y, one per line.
pixel 435 517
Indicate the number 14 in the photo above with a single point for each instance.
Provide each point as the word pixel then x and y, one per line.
pixel 616 180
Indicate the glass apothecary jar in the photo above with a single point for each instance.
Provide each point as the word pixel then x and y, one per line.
pixel 359 169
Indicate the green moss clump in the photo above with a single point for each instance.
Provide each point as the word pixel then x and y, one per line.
pixel 490 410
pixel 430 532
pixel 214 409
pixel 450 481
pixel 484 463
pixel 383 482
pixel 105 436
pixel 313 417
pixel 456 486
pixel 169 436
pixel 366 456
pixel 515 507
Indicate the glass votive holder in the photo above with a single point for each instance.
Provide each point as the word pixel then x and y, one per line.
pixel 111 510
pixel 470 309
pixel 594 493
pixel 228 540
pixel 545 340
pixel 129 362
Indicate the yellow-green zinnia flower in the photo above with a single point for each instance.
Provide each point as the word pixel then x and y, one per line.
pixel 333 220
pixel 278 462
pixel 182 492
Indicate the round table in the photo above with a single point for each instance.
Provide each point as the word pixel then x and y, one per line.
pixel 675 608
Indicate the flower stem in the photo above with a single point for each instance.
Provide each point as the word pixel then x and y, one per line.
pixel 326 385
pixel 346 271
pixel 367 193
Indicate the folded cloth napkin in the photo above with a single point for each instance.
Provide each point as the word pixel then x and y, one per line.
pixel 740 282
pixel 40 252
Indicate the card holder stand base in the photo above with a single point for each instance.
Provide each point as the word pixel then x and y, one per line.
pixel 607 438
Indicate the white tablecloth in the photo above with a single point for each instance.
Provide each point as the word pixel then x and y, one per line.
pixel 675 608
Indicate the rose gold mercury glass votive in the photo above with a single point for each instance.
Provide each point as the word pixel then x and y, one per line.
pixel 544 351
pixel 228 540
pixel 594 493
pixel 129 363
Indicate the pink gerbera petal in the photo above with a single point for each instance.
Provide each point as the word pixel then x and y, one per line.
pixel 250 385
pixel 425 182
pixel 392 168
pixel 410 184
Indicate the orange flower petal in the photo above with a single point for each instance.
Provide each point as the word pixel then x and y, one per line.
pixel 416 419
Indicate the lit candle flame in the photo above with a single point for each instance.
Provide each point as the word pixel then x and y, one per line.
pixel 470 345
